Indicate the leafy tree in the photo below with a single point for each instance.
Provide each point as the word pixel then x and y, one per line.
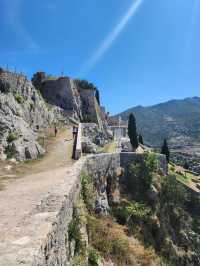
pixel 140 139
pixel 97 96
pixel 172 192
pixel 141 176
pixel 132 131
pixel 165 150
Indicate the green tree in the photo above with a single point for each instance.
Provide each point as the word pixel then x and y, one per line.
pixel 140 139
pixel 165 150
pixel 132 131
pixel 140 176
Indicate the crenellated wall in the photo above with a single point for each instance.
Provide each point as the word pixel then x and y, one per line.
pixel 44 241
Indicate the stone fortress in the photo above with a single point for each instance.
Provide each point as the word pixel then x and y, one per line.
pixel 26 108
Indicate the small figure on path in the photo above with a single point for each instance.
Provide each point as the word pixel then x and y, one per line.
pixel 74 131
pixel 56 131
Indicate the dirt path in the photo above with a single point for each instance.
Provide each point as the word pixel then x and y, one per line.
pixel 59 151
pixel 20 196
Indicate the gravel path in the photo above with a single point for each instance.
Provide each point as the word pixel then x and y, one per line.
pixel 21 196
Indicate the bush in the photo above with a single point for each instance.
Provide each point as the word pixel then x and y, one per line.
pixel 108 243
pixel 172 193
pixel 141 176
pixel 93 257
pixel 19 98
pixel 9 152
pixel 79 260
pixel 87 191
pixel 11 137
pixel 132 211
pixel 74 229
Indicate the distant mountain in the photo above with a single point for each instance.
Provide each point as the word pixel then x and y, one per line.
pixel 176 120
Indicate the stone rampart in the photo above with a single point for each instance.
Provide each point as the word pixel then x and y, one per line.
pixel 45 241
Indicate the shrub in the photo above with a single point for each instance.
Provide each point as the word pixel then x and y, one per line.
pixel 19 98
pixel 79 260
pixel 11 137
pixel 87 191
pixel 132 211
pixel 141 176
pixel 172 168
pixel 172 192
pixel 93 257
pixel 74 229
pixel 106 242
pixel 9 152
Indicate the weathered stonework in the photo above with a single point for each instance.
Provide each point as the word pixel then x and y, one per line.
pixel 45 241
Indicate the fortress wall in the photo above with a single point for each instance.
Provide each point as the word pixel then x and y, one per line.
pixel 45 241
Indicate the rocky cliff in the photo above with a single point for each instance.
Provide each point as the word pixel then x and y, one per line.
pixel 27 108
pixel 76 97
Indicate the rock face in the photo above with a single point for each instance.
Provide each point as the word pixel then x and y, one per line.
pixel 79 102
pixel 23 113
pixel 27 108
pixel 92 137
pixel 61 92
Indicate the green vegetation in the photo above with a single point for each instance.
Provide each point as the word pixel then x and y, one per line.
pixel 140 139
pixel 132 131
pixel 173 193
pixel 141 176
pixel 110 147
pixel 87 191
pixel 19 98
pixel 74 229
pixel 9 152
pixel 175 120
pixel 107 239
pixel 93 257
pixel 84 84
pixel 51 77
pixel 131 211
pixel 11 137
pixel 140 230
pixel 165 150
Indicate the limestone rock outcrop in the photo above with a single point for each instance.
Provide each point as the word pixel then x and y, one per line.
pixel 77 98
pixel 23 113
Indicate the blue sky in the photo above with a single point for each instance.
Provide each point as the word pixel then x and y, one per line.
pixel 138 52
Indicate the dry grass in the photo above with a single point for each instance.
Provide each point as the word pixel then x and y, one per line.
pixel 110 147
pixel 113 243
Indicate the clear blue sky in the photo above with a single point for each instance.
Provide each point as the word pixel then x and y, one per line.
pixel 137 52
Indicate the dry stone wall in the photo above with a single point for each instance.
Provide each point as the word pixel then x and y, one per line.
pixel 47 242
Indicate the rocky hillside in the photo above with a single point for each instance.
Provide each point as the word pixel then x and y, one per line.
pixel 76 97
pixel 28 108
pixel 177 120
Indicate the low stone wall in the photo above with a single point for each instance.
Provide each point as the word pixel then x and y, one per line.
pixel 46 242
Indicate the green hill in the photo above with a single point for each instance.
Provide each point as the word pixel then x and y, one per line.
pixel 176 120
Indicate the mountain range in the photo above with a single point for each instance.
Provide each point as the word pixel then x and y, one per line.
pixel 176 120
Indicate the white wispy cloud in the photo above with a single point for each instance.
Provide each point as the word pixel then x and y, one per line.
pixel 12 19
pixel 111 38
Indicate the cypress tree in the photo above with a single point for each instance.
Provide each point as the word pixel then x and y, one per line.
pixel 140 139
pixel 132 131
pixel 165 150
